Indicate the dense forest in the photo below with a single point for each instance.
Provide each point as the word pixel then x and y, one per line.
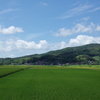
pixel 86 54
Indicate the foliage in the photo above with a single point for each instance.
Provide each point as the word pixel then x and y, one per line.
pixel 84 58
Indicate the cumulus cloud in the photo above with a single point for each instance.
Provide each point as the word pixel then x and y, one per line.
pixel 11 30
pixel 24 45
pixel 78 28
pixel 18 45
pixel 82 40
pixel 63 32
pixel 59 45
pixel 21 45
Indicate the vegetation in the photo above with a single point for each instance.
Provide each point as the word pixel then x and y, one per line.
pixel 7 70
pixel 87 54
pixel 52 83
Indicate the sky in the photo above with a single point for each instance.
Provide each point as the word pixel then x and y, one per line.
pixel 38 26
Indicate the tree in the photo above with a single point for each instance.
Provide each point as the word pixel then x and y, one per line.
pixel 84 58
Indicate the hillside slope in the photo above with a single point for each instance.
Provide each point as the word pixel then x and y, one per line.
pixel 79 54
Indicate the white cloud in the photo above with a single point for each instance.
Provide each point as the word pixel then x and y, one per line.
pixel 98 28
pixel 11 30
pixel 76 11
pixel 86 18
pixel 1 46
pixel 7 11
pixel 78 28
pixel 63 32
pixel 79 10
pixel 20 45
pixel 83 39
pixel 95 9
pixel 43 3
pixel 23 47
pixel 11 56
pixel 59 45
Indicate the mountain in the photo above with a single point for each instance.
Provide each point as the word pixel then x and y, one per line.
pixel 80 54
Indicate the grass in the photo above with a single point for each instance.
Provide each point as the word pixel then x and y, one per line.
pixel 52 83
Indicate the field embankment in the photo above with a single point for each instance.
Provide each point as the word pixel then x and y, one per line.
pixel 7 70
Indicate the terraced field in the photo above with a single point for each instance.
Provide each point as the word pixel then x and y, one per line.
pixel 51 83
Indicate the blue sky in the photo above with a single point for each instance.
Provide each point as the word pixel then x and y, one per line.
pixel 38 26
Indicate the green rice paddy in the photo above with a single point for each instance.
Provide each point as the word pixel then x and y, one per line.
pixel 51 83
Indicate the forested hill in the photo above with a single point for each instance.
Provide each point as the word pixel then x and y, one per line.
pixel 90 48
pixel 81 54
